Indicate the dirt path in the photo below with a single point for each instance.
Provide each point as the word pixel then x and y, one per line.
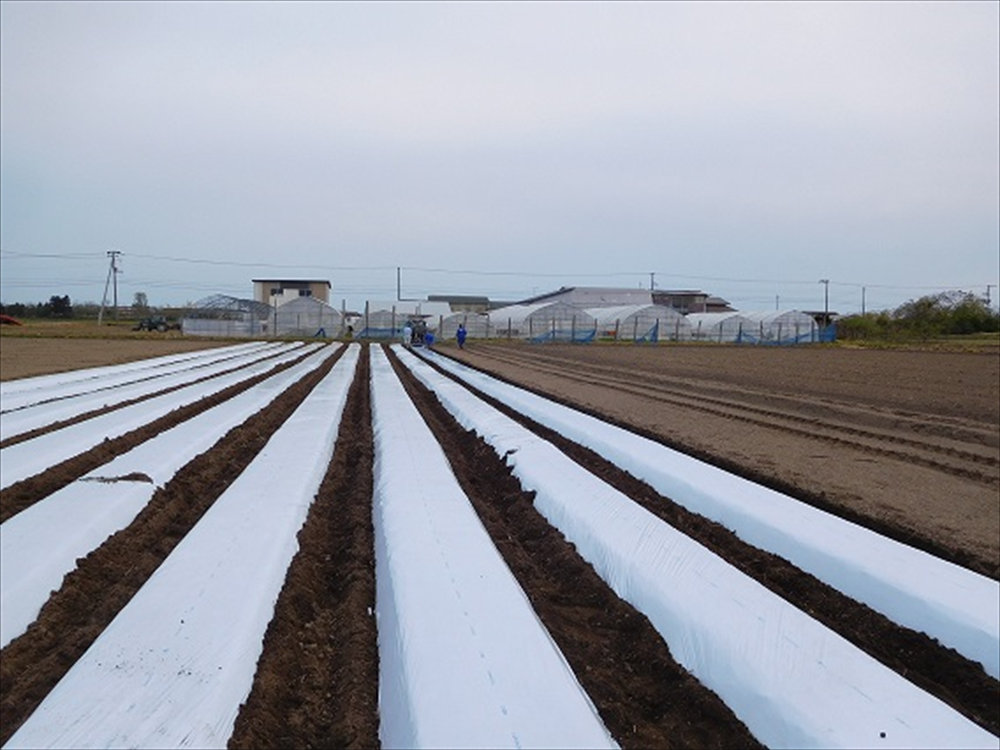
pixel 907 443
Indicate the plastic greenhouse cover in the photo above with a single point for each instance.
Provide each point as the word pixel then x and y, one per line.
pixel 42 543
pixel 9 388
pixel 957 606
pixel 49 412
pixel 173 667
pixel 25 459
pixel 463 659
pixel 793 681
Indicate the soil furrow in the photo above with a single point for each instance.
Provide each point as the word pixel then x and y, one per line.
pixel 106 579
pixel 941 671
pixel 316 683
pixel 644 697
pixel 20 495
pixel 820 430
pixel 939 512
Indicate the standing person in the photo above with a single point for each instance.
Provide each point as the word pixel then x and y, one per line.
pixel 407 334
pixel 460 335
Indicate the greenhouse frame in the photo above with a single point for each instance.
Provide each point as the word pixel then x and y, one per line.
pixel 781 327
pixel 720 327
pixel 640 323
pixel 553 321
pixel 307 316
pixel 477 325
pixel 222 315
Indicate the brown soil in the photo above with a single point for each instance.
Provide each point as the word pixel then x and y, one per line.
pixel 317 680
pixel 23 357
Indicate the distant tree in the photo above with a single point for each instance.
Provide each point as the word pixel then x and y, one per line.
pixel 140 302
pixel 60 307
pixel 945 313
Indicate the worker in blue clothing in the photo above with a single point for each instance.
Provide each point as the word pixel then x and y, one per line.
pixel 460 335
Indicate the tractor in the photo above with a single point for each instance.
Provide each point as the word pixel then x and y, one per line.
pixel 156 323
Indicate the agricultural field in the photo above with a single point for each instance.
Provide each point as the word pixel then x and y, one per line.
pixel 286 544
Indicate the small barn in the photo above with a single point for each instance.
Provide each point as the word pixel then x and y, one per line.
pixel 555 321
pixel 640 323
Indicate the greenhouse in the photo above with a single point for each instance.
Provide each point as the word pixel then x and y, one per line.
pixel 640 323
pixel 307 316
pixel 477 325
pixel 781 327
pixel 721 327
pixel 388 324
pixel 554 321
pixel 222 315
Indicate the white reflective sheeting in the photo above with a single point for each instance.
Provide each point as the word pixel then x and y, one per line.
pixel 794 682
pixel 463 660
pixel 957 606
pixel 42 543
pixel 172 669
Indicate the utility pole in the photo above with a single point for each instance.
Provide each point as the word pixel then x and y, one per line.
pixel 826 301
pixel 776 300
pixel 988 287
pixel 112 271
pixel 862 300
pixel 652 275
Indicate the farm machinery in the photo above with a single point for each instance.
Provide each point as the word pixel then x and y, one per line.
pixel 156 323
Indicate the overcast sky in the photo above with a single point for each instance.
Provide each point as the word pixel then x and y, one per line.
pixel 747 149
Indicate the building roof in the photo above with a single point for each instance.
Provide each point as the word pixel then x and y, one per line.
pixel 593 296
pixel 292 281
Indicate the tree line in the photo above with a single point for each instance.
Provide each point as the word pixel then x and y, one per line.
pixel 943 314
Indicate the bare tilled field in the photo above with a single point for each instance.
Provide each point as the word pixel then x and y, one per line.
pixel 297 568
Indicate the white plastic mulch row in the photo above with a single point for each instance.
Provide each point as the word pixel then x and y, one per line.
pixel 46 412
pixel 28 391
pixel 794 682
pixel 173 667
pixel 93 377
pixel 42 543
pixel 463 660
pixel 957 606
pixel 25 459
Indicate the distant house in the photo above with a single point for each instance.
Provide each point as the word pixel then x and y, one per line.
pixel 690 301
pixel 462 302
pixel 276 292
